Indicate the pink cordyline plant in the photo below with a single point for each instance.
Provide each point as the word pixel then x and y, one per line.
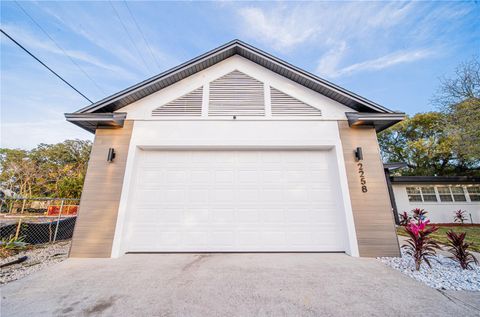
pixel 460 216
pixel 419 214
pixel 404 219
pixel 420 246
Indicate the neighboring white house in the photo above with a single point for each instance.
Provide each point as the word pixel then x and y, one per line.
pixel 440 196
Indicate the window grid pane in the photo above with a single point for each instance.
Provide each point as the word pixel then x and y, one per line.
pixel 414 194
pixel 428 194
pixel 413 190
pixel 446 198
pixel 430 198
pixel 412 198
pixel 428 190
pixel 474 193
pixel 443 189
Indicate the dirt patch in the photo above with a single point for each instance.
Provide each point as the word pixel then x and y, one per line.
pixel 38 258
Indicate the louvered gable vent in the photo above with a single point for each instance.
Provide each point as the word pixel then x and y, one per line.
pixel 236 94
pixel 285 105
pixel 187 105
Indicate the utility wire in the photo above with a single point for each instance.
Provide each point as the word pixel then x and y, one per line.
pixel 129 36
pixel 61 48
pixel 44 65
pixel 143 35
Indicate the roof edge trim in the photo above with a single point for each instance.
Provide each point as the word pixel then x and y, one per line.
pixel 435 179
pixel 229 49
pixel 93 121
pixel 379 121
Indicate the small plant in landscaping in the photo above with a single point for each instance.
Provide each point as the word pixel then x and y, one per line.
pixel 459 249
pixel 420 246
pixel 460 216
pixel 11 245
pixel 404 219
pixel 419 214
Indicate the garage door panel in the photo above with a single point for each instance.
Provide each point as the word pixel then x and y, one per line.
pixel 234 201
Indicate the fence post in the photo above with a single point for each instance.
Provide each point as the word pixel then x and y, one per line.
pixel 23 205
pixel 18 228
pixel 58 221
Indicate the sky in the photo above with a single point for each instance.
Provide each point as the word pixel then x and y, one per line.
pixel 393 53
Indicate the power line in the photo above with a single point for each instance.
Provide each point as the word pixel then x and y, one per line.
pixel 143 35
pixel 44 65
pixel 128 33
pixel 58 45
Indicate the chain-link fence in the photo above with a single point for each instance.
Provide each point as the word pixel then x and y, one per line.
pixel 38 220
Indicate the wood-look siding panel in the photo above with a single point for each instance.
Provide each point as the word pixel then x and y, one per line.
pixel 97 217
pixel 372 212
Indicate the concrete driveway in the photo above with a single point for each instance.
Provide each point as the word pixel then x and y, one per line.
pixel 302 284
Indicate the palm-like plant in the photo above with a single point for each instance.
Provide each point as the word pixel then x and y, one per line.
pixel 419 214
pixel 460 216
pixel 420 246
pixel 404 219
pixel 459 249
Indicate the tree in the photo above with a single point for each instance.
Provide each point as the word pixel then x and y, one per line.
pixel 445 142
pixel 423 143
pixel 459 97
pixel 49 170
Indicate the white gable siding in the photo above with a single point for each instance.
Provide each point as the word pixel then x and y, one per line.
pixel 142 109
pixel 187 105
pixel 285 105
pixel 236 94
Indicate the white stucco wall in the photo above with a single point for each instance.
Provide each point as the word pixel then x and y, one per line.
pixel 438 212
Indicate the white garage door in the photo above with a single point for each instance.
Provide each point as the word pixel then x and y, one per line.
pixel 234 201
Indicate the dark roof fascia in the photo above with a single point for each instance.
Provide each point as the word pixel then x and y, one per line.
pixel 379 121
pixel 435 180
pixel 394 165
pixel 169 77
pixel 93 121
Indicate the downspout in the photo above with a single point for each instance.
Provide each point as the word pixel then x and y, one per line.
pixel 393 203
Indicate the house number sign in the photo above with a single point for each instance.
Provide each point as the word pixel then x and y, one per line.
pixel 363 181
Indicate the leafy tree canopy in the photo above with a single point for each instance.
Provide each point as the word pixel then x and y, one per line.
pixel 49 170
pixel 446 142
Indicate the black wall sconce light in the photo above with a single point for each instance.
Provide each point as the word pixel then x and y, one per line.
pixel 358 154
pixel 111 155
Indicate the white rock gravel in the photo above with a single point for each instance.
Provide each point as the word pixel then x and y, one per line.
pixel 38 258
pixel 445 273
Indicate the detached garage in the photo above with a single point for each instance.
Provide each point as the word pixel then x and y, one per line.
pixel 235 151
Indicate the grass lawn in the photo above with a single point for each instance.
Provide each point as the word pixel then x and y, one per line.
pixel 473 234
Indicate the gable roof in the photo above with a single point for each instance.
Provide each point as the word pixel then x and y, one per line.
pixel 235 47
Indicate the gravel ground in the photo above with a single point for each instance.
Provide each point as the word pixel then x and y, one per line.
pixel 38 258
pixel 445 273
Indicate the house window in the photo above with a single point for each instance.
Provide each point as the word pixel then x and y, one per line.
pixel 474 193
pixel 458 193
pixel 451 193
pixel 421 194
pixel 444 193
pixel 414 194
pixel 428 194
